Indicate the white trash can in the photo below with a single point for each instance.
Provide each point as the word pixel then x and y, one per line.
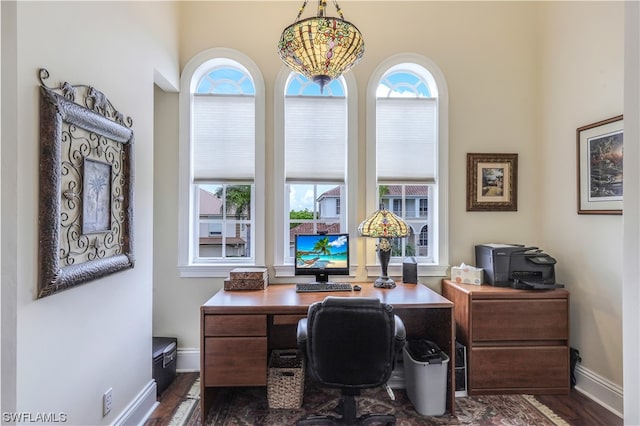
pixel 426 382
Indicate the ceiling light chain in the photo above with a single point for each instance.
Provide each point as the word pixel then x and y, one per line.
pixel 335 3
pixel 321 48
pixel 301 10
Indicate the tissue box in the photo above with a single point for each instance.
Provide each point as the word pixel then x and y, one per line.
pixel 467 275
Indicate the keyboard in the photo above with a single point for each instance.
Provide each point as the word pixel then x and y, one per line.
pixel 318 287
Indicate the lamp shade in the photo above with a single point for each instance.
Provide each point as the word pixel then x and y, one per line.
pixel 383 224
pixel 321 48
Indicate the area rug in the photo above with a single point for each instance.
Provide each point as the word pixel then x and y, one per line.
pixel 249 407
pixel 188 411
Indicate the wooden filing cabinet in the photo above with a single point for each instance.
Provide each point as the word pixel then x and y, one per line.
pixel 517 340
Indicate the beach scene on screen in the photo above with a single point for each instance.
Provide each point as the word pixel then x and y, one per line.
pixel 322 251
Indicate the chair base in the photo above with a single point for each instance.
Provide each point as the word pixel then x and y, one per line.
pixel 347 407
pixel 367 419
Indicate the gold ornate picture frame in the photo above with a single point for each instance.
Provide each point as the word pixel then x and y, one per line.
pixel 86 187
pixel 492 182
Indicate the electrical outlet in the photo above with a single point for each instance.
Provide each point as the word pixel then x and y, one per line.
pixel 107 401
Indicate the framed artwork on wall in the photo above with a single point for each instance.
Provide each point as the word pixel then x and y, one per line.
pixel 492 182
pixel 599 164
pixel 86 187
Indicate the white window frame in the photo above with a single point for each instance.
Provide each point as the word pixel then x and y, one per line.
pixel 282 267
pixel 198 66
pixel 439 200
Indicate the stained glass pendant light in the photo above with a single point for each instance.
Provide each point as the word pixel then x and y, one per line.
pixel 321 48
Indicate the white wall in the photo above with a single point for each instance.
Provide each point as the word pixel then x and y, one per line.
pixel 9 211
pixel 582 77
pixel 631 293
pixel 73 346
pixel 176 302
pixel 1 334
pixel 481 49
pixel 522 76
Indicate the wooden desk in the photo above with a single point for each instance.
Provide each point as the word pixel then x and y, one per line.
pixel 240 328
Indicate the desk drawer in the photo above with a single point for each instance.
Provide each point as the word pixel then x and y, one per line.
pixel 502 320
pixel 235 325
pixel 287 319
pixel 235 361
pixel 525 368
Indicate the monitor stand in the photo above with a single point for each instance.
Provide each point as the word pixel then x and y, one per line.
pixel 321 278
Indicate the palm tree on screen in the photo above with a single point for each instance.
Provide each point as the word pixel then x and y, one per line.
pixel 322 246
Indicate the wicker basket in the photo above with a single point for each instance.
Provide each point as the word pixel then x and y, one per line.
pixel 285 382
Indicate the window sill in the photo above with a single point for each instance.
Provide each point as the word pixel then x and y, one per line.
pixel 373 271
pixel 210 271
pixel 286 271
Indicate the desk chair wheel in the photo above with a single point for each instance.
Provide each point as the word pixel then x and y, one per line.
pixel 347 409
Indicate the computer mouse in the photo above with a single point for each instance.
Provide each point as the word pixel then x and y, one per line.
pixel 357 288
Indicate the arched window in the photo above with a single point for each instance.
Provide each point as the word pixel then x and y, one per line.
pixel 221 164
pixel 423 242
pixel 407 156
pixel 314 157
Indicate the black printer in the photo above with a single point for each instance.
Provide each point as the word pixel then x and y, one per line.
pixel 517 266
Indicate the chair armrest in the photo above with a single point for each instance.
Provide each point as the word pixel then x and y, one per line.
pixel 301 333
pixel 401 333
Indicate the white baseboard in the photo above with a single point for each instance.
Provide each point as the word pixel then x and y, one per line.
pixel 139 410
pixel 188 360
pixel 599 389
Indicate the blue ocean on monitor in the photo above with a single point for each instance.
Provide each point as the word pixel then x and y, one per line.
pixel 316 251
pixel 322 255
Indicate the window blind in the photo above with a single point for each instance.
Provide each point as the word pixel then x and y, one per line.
pixel 223 137
pixel 315 138
pixel 406 139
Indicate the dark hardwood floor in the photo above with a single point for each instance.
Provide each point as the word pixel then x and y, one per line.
pixel 578 410
pixel 171 398
pixel 575 408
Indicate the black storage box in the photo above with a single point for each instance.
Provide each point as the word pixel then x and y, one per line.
pixel 165 350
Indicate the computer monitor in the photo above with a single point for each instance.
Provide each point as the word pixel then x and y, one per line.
pixel 322 255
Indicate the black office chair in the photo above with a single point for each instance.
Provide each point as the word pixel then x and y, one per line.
pixel 351 343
